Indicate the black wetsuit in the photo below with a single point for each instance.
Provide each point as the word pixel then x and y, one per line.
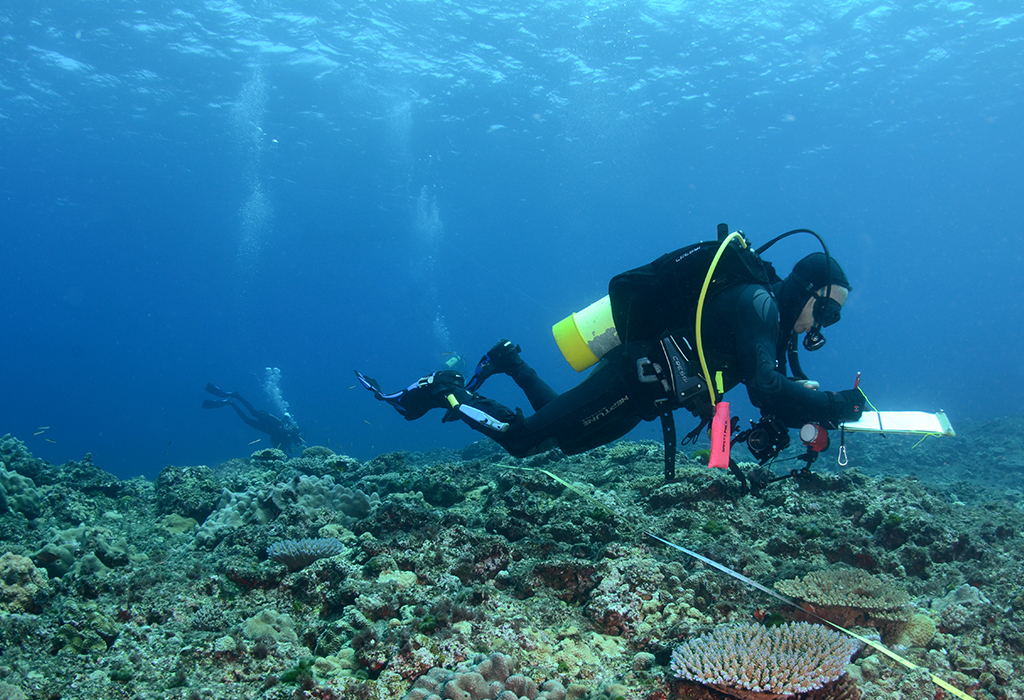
pixel 741 339
pixel 283 433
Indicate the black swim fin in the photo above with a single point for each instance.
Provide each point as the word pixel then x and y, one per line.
pixel 422 395
pixel 217 391
pixel 210 403
pixel 374 386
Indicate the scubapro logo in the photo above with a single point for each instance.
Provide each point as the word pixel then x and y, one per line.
pixel 680 366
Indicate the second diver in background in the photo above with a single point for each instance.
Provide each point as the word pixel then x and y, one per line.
pixel 284 432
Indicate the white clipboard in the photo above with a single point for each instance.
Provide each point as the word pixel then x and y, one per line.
pixel 913 422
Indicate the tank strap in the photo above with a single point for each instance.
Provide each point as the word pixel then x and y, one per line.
pixel 668 432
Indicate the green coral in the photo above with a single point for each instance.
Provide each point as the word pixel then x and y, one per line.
pixel 121 675
pixel 428 624
pixel 714 528
pixel 91 633
pixel 300 669
pixel 81 641
pixel 599 514
pixel 808 532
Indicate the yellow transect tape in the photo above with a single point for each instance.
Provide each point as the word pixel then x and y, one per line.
pixel 874 645
pixel 749 581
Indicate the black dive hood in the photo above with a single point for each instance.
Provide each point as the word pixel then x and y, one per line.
pixel 808 276
pixel 814 272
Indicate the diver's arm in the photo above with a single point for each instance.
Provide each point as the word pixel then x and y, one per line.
pixel 279 439
pixel 756 324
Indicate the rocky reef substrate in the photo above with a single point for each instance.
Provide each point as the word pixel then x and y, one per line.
pixel 429 575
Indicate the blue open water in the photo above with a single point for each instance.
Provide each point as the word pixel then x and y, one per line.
pixel 194 191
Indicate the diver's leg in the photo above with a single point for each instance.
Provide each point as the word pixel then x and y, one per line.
pixel 248 406
pixel 537 391
pixel 498 360
pixel 504 358
pixel 593 413
pixel 217 391
pixel 251 422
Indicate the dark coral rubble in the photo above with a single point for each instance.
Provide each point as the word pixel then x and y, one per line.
pixel 417 575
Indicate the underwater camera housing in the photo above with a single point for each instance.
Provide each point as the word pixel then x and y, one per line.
pixel 766 439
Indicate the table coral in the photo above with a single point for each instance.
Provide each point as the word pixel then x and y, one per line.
pixel 738 660
pixel 850 596
pixel 298 554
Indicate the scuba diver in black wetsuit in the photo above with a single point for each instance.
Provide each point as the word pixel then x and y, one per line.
pixel 283 432
pixel 752 322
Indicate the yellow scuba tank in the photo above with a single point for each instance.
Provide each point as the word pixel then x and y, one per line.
pixel 586 336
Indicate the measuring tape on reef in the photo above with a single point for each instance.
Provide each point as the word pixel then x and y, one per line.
pixel 871 643
pixel 881 648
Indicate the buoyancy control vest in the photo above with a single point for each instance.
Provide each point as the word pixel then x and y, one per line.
pixel 651 311
pixel 653 300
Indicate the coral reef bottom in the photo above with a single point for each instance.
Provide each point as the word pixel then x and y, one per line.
pixel 470 574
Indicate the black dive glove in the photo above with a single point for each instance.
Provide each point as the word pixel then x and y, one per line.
pixel 847 406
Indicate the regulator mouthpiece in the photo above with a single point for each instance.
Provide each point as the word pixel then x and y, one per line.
pixel 814 340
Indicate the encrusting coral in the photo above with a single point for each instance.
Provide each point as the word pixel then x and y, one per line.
pixel 23 587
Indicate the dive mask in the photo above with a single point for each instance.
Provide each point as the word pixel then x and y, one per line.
pixel 826 312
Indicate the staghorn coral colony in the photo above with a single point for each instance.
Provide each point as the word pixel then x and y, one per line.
pixel 469 574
